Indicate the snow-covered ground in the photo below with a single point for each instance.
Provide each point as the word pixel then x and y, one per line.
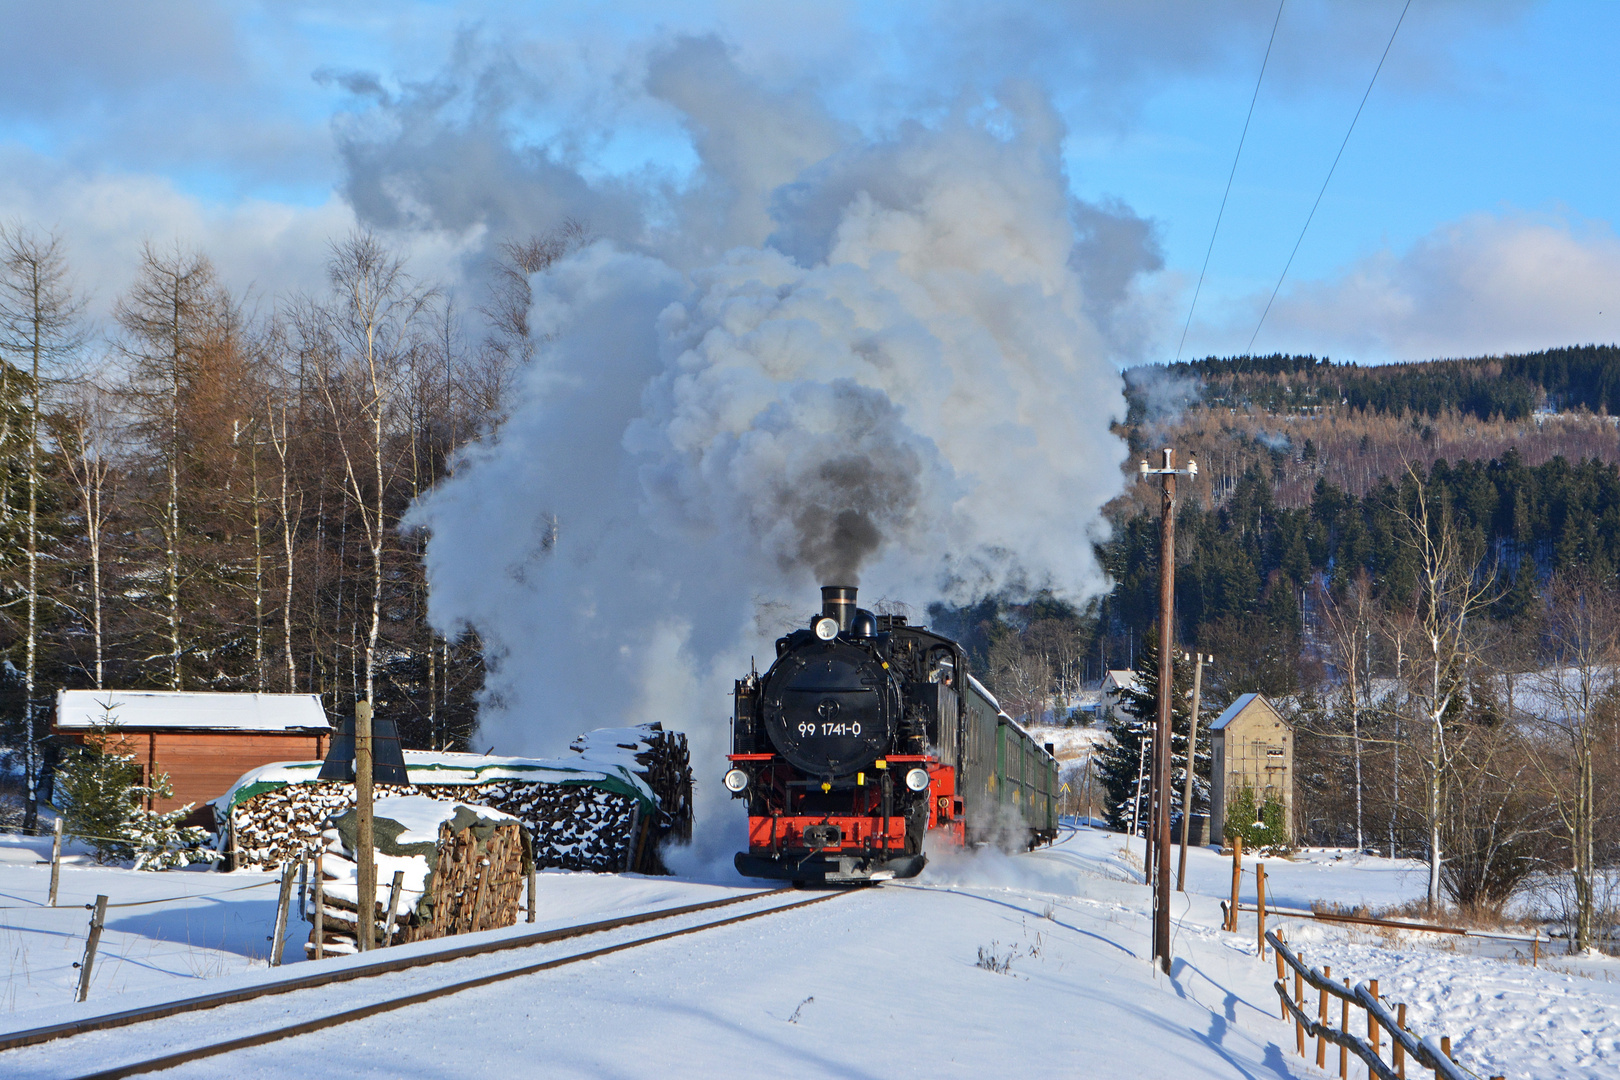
pixel 890 981
pixel 1070 743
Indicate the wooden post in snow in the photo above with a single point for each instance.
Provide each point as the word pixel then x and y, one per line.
pixel 1400 1047
pixel 1374 1030
pixel 531 889
pixel 97 920
pixel 1344 1026
pixel 1260 903
pixel 365 853
pixel 393 906
pixel 283 908
pixel 319 900
pixel 56 859
pixel 1237 873
pixel 1321 1017
pixel 1282 978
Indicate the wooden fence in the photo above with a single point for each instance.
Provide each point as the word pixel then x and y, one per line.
pixel 1429 1053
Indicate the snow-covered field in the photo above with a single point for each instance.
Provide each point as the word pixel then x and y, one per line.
pixel 1070 743
pixel 890 981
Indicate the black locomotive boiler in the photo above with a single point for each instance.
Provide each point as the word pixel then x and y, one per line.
pixel 866 735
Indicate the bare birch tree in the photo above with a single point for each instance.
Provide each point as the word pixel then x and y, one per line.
pixel 373 323
pixel 39 325
pixel 1350 623
pixel 1449 592
pixel 88 433
pixel 1579 697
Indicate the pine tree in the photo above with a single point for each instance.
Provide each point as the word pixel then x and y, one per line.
pixel 99 792
pixel 96 789
pixel 1123 761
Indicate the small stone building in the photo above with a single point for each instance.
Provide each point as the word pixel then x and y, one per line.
pixel 1254 747
pixel 204 741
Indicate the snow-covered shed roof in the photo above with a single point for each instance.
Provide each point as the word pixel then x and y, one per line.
pixel 1243 701
pixel 141 710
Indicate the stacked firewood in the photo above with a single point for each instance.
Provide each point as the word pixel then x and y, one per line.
pixel 664 764
pixel 468 884
pixel 574 826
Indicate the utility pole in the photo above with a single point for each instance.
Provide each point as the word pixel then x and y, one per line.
pixel 1192 756
pixel 1167 657
pixel 365 847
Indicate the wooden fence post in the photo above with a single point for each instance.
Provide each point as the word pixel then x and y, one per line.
pixel 303 889
pixel 1321 1015
pixel 1373 1028
pixel 1299 1000
pixel 1445 1048
pixel 56 859
pixel 1260 903
pixel 1400 1047
pixel 1237 872
pixel 96 921
pixel 531 890
pixel 393 906
pixel 1282 978
pixel 319 900
pixel 1344 1026
pixel 283 908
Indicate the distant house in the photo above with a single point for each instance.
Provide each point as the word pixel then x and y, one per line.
pixel 204 741
pixel 1112 691
pixel 1253 747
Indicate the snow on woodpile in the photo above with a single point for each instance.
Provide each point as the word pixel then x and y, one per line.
pixel 608 809
pixel 462 869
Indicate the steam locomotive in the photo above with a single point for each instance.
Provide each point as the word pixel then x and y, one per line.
pixel 866 735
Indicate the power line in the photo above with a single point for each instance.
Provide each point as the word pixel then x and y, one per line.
pixel 1325 182
pixel 1225 194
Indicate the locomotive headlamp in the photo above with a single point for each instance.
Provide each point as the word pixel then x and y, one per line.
pixel 826 628
pixel 736 780
pixel 917 779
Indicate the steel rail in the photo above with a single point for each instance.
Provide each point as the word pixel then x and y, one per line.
pixel 66 1029
pixel 169 1061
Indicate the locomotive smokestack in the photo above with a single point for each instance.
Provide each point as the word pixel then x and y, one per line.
pixel 838 602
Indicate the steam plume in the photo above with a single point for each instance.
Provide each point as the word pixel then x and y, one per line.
pixel 903 384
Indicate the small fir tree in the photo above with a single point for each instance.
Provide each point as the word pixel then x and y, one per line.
pixel 1123 762
pixel 95 790
pixel 99 793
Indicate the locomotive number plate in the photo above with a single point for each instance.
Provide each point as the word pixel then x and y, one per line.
pixel 809 727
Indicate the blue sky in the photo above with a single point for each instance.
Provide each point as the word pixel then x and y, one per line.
pixel 1472 211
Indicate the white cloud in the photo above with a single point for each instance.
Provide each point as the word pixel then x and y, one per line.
pixel 1487 284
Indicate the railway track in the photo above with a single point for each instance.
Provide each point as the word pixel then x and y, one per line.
pixel 37 1036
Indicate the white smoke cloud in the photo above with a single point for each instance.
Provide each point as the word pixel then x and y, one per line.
pixel 904 386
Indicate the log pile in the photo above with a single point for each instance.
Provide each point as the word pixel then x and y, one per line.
pixel 586 813
pixel 471 879
pixel 664 763
pixel 574 826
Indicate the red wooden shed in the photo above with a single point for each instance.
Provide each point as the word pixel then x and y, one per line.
pixel 204 741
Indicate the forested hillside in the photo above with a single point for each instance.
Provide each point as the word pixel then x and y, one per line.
pixel 1418 564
